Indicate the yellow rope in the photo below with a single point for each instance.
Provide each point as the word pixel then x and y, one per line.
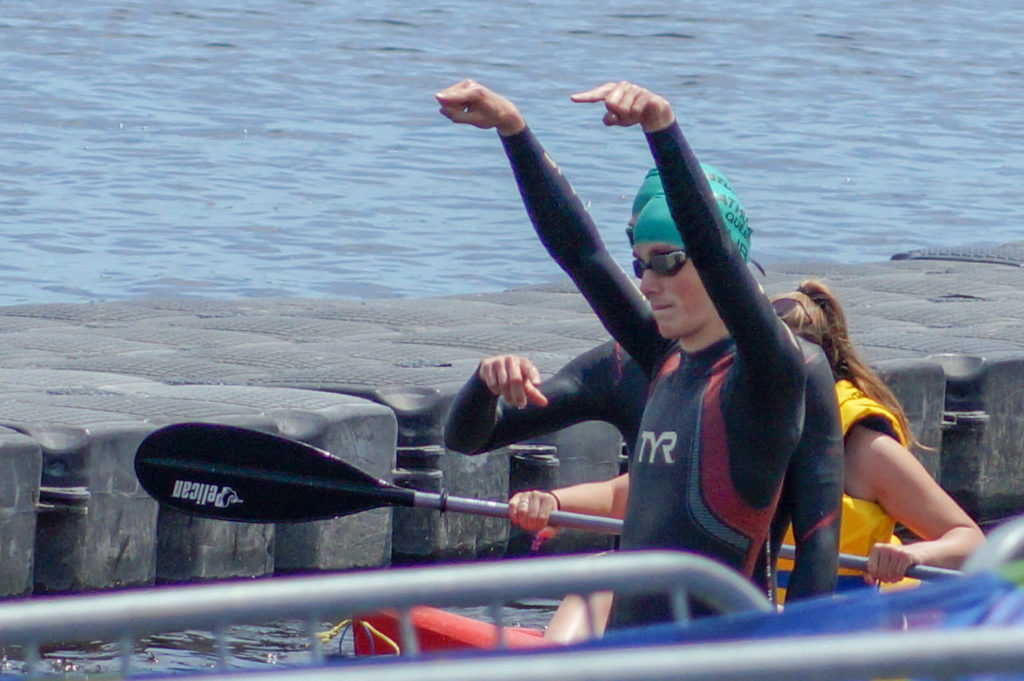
pixel 327 636
pixel 383 637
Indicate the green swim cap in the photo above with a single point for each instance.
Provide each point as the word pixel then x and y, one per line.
pixel 716 178
pixel 649 188
pixel 652 185
pixel 655 223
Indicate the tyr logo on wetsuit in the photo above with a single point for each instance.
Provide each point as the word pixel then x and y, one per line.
pixel 659 446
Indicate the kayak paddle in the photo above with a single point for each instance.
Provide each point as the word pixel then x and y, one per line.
pixel 230 473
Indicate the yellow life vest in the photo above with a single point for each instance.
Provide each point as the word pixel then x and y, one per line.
pixel 855 406
pixel 864 523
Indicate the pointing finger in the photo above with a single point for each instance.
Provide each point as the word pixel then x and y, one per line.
pixel 597 94
pixel 534 395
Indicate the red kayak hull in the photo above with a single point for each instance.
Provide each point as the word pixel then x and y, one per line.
pixel 438 630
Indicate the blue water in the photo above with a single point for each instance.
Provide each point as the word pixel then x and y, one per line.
pixel 294 148
pixel 291 148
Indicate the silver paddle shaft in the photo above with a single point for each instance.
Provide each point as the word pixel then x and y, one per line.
pixel 497 509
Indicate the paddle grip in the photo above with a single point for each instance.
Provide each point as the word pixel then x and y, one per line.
pixel 860 563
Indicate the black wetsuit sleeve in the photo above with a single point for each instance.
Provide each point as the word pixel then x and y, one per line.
pixel 768 402
pixel 570 236
pixel 602 384
pixel 813 489
pixel 766 345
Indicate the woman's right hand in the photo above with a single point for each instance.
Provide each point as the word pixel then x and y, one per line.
pixel 470 102
pixel 888 563
pixel 514 378
pixel 530 510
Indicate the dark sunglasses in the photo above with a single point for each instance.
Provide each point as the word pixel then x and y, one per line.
pixel 663 264
pixel 783 306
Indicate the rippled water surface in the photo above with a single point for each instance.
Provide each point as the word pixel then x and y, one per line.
pixel 294 148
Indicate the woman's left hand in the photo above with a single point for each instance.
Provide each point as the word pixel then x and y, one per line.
pixel 628 104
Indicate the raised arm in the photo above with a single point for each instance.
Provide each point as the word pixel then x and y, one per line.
pixel 772 391
pixel 760 336
pixel 560 220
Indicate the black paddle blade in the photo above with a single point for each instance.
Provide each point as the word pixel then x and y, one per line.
pixel 231 473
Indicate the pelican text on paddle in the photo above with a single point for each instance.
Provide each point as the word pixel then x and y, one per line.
pixel 204 493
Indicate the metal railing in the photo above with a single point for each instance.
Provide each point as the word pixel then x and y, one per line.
pixel 934 654
pixel 942 655
pixel 127 615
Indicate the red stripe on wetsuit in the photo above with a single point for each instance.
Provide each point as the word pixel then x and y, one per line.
pixel 717 489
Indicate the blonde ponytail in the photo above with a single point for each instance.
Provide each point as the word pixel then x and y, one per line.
pixel 817 316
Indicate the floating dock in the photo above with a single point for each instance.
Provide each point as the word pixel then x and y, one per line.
pixel 370 380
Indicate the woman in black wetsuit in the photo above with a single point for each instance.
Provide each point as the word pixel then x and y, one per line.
pixel 725 407
pixel 605 384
